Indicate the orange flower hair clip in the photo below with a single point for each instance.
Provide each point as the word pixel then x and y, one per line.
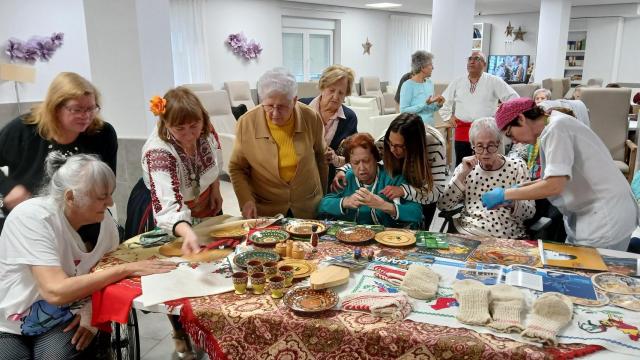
pixel 157 105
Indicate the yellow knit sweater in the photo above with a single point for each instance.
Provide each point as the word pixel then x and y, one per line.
pixel 287 158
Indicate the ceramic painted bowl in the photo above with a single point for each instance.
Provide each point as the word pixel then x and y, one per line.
pixel 268 237
pixel 243 258
pixel 305 299
pixel 355 235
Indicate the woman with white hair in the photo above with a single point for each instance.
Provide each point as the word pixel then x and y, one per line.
pixel 417 93
pixel 541 94
pixel 278 164
pixel 485 170
pixel 45 264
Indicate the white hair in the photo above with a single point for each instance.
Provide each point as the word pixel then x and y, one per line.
pixel 82 174
pixel 546 93
pixel 278 80
pixel 484 124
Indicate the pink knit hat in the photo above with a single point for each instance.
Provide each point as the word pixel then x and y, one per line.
pixel 511 109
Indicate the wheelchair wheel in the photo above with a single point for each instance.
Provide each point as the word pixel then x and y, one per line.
pixel 125 339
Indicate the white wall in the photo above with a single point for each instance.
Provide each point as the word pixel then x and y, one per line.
pixel 602 49
pixel 630 53
pixel 528 22
pixel 262 20
pixel 25 18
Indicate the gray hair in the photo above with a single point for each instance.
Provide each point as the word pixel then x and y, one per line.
pixel 277 80
pixel 484 124
pixel 82 174
pixel 546 93
pixel 420 59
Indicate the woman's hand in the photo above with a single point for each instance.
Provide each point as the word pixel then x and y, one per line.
pixel 351 202
pixel 438 99
pixel 82 337
pixel 393 192
pixel 190 244
pixel 16 195
pixel 339 181
pixel 215 200
pixel 366 197
pixel 468 164
pixel 149 267
pixel 329 154
pixel 249 210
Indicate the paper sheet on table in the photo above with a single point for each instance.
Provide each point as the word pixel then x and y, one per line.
pixel 183 282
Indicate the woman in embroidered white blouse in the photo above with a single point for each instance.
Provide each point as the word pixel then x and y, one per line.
pixel 181 162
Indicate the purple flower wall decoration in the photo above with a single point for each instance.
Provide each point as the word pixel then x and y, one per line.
pixel 36 48
pixel 240 47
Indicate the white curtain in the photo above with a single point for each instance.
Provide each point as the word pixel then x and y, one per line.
pixel 407 34
pixel 188 42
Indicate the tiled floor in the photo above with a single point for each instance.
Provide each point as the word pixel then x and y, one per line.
pixel 156 342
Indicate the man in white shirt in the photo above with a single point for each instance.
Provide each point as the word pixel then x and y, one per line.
pixel 472 97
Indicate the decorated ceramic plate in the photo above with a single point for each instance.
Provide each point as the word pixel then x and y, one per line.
pixel 243 258
pixel 303 227
pixel 395 238
pixel 301 268
pixel 602 300
pixel 268 237
pixel 631 302
pixel 305 299
pixel 617 283
pixel 355 234
pixel 236 232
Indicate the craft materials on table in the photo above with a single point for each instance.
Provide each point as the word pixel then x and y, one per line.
pixel 459 248
pixel 329 276
pixel 571 256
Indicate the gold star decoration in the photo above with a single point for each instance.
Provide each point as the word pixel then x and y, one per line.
pixel 519 35
pixel 367 47
pixel 509 30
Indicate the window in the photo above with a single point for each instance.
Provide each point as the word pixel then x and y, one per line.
pixel 306 52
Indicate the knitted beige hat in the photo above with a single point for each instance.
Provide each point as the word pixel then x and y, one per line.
pixel 551 312
pixel 473 298
pixel 507 303
pixel 420 282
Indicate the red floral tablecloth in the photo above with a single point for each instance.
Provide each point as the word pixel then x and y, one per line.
pixel 230 326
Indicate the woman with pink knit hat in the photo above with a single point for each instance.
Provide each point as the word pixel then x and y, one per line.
pixel 579 176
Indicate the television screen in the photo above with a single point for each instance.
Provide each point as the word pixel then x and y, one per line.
pixel 510 68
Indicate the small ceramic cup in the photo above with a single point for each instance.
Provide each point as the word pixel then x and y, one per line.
pixel 270 269
pixel 240 279
pixel 254 266
pixel 276 283
pixel 287 273
pixel 258 280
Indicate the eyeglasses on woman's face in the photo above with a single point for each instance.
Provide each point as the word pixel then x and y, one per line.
pixel 76 110
pixel 490 148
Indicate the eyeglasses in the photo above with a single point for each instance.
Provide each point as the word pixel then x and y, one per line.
pixel 279 108
pixel 474 58
pixel 78 111
pixel 396 146
pixel 491 148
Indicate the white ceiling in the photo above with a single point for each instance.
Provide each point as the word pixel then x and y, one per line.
pixel 484 7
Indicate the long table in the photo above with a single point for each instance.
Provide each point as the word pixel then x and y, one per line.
pixel 230 326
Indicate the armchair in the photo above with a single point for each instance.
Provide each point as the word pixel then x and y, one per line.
pixel 239 93
pixel 370 86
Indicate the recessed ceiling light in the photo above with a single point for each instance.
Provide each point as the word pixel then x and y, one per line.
pixel 383 5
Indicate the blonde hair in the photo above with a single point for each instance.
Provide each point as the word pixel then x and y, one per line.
pixel 183 106
pixel 64 87
pixel 336 73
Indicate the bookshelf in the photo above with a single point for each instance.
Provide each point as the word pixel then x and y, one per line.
pixel 481 38
pixel 574 59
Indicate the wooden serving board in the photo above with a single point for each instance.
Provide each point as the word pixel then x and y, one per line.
pixel 329 277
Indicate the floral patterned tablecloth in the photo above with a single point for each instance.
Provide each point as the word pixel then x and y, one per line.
pixel 230 326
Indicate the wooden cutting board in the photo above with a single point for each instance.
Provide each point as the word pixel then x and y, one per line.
pixel 329 277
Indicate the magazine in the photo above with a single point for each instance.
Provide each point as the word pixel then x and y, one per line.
pixel 624 266
pixel 488 274
pixel 571 256
pixel 459 248
pixel 568 283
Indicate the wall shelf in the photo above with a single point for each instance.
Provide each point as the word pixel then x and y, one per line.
pixel 575 56
pixel 481 38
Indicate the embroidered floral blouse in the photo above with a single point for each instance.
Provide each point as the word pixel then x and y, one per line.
pixel 173 177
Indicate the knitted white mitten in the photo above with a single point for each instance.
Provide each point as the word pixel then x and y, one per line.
pixel 551 312
pixel 473 298
pixel 507 303
pixel 420 282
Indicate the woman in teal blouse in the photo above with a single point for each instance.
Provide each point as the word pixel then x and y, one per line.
pixel 417 94
pixel 362 200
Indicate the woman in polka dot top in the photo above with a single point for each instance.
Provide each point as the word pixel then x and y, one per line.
pixel 479 173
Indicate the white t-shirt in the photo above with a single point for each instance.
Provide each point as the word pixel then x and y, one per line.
pixel 38 233
pixel 597 203
pixel 483 102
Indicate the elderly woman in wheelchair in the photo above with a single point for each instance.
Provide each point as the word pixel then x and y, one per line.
pixel 483 171
pixel 362 200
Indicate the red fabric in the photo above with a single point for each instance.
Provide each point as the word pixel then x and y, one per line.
pixel 113 303
pixel 201 335
pixel 199 208
pixel 462 130
pixel 636 98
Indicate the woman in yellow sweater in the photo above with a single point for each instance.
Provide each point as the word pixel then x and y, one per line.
pixel 277 164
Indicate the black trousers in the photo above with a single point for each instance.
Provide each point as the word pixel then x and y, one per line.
pixel 428 211
pixel 463 149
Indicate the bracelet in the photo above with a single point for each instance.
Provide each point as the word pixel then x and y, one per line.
pixel 173 230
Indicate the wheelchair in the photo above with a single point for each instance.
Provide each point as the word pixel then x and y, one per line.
pixel 125 339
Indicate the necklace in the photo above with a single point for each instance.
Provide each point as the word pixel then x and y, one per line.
pixel 472 88
pixel 194 171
